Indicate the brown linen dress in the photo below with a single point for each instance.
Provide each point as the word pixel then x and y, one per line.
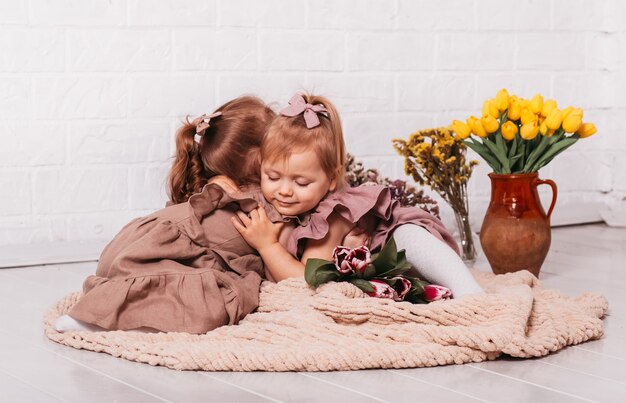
pixel 184 268
pixel 372 209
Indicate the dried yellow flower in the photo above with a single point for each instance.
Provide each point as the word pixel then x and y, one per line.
pixel 436 157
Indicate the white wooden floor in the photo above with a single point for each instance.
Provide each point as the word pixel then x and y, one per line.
pixel 582 258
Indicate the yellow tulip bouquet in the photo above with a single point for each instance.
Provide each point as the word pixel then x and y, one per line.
pixel 516 135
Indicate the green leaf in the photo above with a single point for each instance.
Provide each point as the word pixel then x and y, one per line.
pixel 518 165
pixel 513 149
pixel 415 294
pixel 536 153
pixel 370 271
pixel 389 262
pixel 418 284
pixel 516 158
pixel 485 154
pixel 500 142
pixel 532 144
pixel 499 154
pixel 415 299
pixel 401 256
pixel 364 285
pixel 501 145
pixel 395 271
pixel 504 116
pixel 392 281
pixel 313 269
pixel 403 264
pixel 401 259
pixel 387 257
pixel 326 274
pixel 554 150
pixel 325 277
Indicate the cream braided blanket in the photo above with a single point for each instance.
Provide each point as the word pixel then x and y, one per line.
pixel 337 327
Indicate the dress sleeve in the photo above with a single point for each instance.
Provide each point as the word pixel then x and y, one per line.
pixel 213 197
pixel 372 206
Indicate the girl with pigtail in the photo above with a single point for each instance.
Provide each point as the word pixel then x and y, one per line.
pixel 302 166
pixel 227 143
pixel 185 268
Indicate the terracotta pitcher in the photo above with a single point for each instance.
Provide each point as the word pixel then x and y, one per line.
pixel 515 234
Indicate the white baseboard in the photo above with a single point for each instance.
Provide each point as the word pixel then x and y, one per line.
pixel 577 213
pixel 50 253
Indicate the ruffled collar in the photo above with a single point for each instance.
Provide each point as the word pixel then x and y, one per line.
pixel 213 197
pixel 302 220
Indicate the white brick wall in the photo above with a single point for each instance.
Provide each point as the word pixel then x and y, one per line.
pixel 91 92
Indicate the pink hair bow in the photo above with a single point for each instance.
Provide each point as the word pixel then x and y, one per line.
pixel 298 105
pixel 202 123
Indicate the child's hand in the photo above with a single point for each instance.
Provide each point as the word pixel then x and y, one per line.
pixel 225 183
pixel 357 237
pixel 258 231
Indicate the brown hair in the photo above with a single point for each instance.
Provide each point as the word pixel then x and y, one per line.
pixel 286 135
pixel 230 147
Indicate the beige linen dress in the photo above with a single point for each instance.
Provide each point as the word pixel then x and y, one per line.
pixel 184 268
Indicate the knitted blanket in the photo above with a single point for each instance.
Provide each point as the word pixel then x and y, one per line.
pixel 338 327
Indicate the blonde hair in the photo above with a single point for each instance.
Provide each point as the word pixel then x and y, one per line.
pixel 289 134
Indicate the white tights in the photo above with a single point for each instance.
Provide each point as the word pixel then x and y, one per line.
pixel 66 323
pixel 435 261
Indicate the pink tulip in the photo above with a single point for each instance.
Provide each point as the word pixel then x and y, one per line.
pixel 381 290
pixel 349 260
pixel 435 292
pixel 359 258
pixel 401 288
pixel 339 257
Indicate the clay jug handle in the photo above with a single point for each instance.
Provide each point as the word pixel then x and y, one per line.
pixel 554 192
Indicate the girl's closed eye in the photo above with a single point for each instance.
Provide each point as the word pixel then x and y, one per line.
pixel 303 184
pixel 272 176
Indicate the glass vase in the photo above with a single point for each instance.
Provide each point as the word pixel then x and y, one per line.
pixel 468 250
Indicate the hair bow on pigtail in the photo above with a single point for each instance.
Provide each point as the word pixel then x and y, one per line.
pixel 202 123
pixel 298 105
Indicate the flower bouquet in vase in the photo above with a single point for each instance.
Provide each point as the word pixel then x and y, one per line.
pixel 517 137
pixel 435 157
